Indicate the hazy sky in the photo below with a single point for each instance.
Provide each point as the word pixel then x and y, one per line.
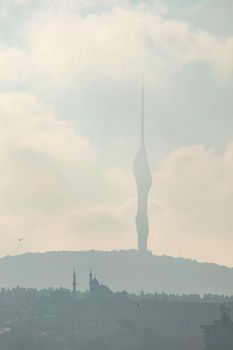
pixel 70 74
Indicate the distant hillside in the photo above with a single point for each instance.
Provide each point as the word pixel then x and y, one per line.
pixel 123 270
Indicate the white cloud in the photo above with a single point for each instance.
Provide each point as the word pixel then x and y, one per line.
pixel 53 190
pixel 56 193
pixel 38 153
pixel 15 66
pixel 62 45
pixel 192 204
pixel 120 44
pixel 28 125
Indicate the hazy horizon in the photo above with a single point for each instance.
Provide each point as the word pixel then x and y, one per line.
pixel 70 125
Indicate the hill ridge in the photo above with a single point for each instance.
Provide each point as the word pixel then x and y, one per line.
pixel 120 270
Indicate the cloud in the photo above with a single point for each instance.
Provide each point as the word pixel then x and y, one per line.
pixel 55 191
pixel 69 42
pixel 120 43
pixel 15 66
pixel 55 188
pixel 191 204
pixel 38 153
pixel 7 5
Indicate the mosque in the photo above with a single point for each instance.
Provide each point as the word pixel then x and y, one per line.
pixel 95 287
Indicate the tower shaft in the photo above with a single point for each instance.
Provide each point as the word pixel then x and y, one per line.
pixel 143 181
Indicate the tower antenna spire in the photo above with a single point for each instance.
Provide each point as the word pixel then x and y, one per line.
pixel 142 115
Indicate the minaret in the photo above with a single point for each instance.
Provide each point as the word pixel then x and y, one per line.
pixel 144 181
pixel 74 284
pixel 90 280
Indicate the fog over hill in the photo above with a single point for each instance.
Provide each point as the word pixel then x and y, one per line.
pixel 120 270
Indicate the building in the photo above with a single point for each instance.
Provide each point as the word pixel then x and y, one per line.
pixel 143 179
pixel 96 288
pixel 219 336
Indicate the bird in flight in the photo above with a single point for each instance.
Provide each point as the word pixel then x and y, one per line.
pixel 21 239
